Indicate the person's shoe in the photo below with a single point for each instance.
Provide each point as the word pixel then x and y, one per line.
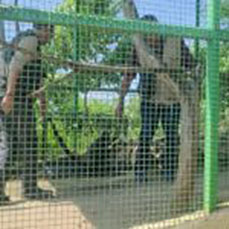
pixel 37 193
pixel 4 199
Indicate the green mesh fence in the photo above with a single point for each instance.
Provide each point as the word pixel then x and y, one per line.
pixel 114 113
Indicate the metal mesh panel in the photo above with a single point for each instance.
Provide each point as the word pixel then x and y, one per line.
pixel 106 113
pixel 223 136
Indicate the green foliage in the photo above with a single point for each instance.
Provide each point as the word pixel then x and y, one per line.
pixel 132 110
pixel 79 43
pixel 122 53
pixel 224 9
pixel 83 44
pixel 86 127
pixel 224 69
pixel 224 52
pixel 83 129
pixel 224 66
pixel 224 57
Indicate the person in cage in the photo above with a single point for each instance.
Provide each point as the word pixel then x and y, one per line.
pixel 159 102
pixel 23 75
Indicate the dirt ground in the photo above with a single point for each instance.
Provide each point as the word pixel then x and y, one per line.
pixel 38 215
pixel 219 219
pixel 53 214
pixel 109 203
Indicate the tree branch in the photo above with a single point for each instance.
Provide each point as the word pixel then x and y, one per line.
pixel 145 59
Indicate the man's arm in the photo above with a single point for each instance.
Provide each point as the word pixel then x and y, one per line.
pixel 188 62
pixel 29 44
pixel 124 88
pixel 130 59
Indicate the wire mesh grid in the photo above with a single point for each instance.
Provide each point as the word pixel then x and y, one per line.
pixel 103 127
pixel 223 136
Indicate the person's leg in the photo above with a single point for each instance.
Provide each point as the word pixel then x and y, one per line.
pixel 29 145
pixel 149 123
pixel 3 156
pixel 170 123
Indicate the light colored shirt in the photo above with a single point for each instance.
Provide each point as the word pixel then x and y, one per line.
pixel 26 52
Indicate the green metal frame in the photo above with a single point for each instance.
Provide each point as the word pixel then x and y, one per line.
pixel 212 34
pixel 197 26
pixel 212 109
pixel 76 57
pixel 108 24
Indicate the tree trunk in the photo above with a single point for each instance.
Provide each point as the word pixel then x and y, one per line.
pixel 189 97
pixel 185 183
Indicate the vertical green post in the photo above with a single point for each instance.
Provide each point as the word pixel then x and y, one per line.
pixel 76 85
pixel 212 109
pixel 197 25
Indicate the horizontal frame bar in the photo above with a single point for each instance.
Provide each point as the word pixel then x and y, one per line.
pixel 109 24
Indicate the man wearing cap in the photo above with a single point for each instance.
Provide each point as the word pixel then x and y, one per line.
pixel 23 76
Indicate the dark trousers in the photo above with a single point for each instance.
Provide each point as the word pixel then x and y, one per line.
pixel 151 115
pixel 22 140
